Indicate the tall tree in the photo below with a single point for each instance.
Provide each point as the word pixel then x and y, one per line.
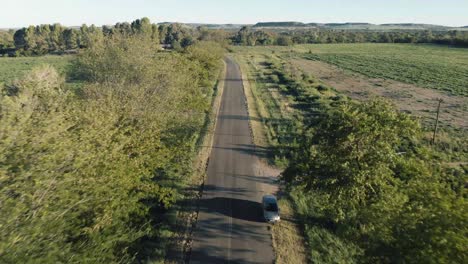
pixel 142 26
pixel 56 37
pixel 70 37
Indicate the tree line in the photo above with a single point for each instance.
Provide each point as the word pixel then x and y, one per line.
pixel 44 39
pixel 251 37
pixel 90 173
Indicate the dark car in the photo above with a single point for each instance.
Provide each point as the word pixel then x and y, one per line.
pixel 270 209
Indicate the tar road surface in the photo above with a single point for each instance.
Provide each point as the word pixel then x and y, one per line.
pixel 230 227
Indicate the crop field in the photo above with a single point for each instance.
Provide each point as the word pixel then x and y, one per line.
pixel 428 66
pixel 13 68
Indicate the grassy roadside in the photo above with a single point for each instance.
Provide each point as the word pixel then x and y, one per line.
pixel 255 106
pixel 287 237
pixel 187 213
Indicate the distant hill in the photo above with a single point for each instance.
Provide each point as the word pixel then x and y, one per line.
pixel 346 24
pixel 415 26
pixel 217 26
pixel 280 24
pixel 355 26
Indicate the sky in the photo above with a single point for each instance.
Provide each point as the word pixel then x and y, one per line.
pixel 22 13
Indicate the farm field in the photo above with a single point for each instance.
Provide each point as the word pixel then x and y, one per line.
pixel 428 66
pixel 13 68
pixel 408 96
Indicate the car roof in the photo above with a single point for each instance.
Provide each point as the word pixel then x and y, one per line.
pixel 269 198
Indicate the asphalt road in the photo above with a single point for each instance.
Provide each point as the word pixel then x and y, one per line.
pixel 230 227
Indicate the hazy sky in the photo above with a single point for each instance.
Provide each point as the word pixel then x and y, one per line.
pixel 21 13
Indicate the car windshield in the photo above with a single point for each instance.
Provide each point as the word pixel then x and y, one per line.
pixel 271 207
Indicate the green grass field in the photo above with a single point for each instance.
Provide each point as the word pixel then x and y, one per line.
pixel 14 68
pixel 428 66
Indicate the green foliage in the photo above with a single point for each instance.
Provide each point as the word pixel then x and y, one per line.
pixel 431 227
pixel 248 37
pixel 6 40
pixel 329 248
pixel 90 36
pixel 366 35
pixel 329 34
pixel 375 187
pixel 323 244
pixel 90 175
pixel 43 39
pixel 209 54
pixel 353 153
pixel 283 41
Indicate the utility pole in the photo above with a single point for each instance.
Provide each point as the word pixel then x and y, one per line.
pixel 437 122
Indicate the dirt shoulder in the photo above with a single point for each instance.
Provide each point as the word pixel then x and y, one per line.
pixel 421 102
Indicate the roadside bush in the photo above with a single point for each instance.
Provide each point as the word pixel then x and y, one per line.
pixel 374 185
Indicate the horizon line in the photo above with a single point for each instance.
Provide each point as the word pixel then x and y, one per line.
pixel 247 24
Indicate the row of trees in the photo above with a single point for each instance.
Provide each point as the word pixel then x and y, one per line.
pixel 43 39
pixel 88 174
pixel 458 38
pixel 37 40
pixel 249 37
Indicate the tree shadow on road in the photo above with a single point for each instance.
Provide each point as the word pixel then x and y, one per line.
pixel 232 207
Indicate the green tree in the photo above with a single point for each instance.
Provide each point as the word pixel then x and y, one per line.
pixel 187 41
pixel 155 33
pixel 56 41
pixel 19 39
pixel 244 36
pixel 142 26
pixel 162 29
pixel 6 39
pixel 70 37
pixel 263 38
pixel 90 36
pixel 351 156
pixel 42 39
pixel 283 41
